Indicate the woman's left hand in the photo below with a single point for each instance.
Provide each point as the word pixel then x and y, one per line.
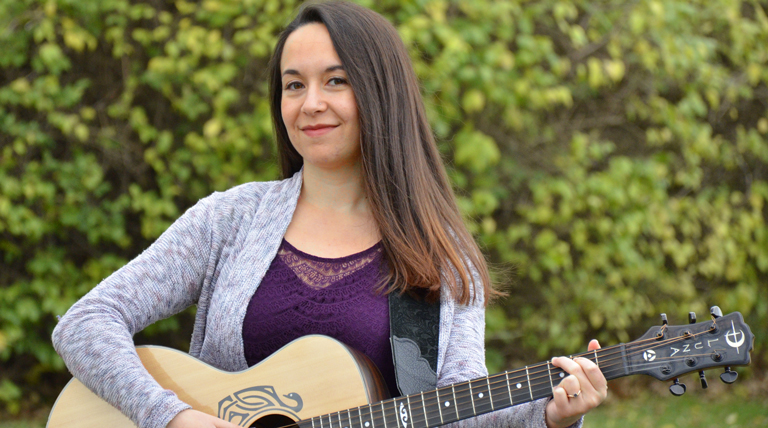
pixel 577 394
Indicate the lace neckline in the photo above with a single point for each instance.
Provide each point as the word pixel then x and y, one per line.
pixel 308 256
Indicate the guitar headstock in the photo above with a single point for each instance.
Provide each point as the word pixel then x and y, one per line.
pixel 669 351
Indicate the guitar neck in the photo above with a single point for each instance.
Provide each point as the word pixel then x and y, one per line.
pixel 467 399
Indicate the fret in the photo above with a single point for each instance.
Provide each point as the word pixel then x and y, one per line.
pixel 354 417
pixel 313 422
pixel 482 397
pixel 541 389
pixel 501 392
pixel 410 412
pixel 596 361
pixel 395 412
pixel 509 389
pixel 402 412
pixel 447 405
pixel 341 424
pixel 519 386
pixel 455 407
pixel 472 398
pixel 419 413
pixel 350 419
pixel 383 415
pixel 432 410
pixel 462 394
pixel 366 417
pixel 529 382
pixel 490 394
pixel 549 375
pixel 557 376
pixel 396 407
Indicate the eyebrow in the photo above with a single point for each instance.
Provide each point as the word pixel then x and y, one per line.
pixel 293 72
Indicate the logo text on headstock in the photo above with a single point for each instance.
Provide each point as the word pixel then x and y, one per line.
pixel 734 338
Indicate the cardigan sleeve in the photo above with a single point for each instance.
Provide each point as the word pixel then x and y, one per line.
pixel 465 360
pixel 95 337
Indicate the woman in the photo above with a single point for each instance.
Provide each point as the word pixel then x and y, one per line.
pixel 365 208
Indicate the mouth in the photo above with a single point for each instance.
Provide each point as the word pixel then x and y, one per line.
pixel 317 130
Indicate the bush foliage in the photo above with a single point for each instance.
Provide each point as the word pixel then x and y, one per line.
pixel 614 153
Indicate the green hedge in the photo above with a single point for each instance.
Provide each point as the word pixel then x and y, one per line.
pixel 612 157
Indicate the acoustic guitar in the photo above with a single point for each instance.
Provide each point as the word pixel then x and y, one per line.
pixel 318 382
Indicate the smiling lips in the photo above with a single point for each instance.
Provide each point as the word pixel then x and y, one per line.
pixel 318 130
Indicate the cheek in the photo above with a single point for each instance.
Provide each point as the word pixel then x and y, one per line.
pixel 351 113
pixel 288 110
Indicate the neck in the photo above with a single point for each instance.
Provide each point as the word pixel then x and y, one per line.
pixel 467 399
pixel 338 189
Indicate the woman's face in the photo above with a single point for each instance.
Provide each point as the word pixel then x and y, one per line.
pixel 318 105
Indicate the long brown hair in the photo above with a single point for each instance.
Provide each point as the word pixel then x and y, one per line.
pixel 424 238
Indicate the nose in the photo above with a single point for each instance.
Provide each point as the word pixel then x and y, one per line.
pixel 314 102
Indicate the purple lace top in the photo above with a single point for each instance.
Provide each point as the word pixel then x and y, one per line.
pixel 303 294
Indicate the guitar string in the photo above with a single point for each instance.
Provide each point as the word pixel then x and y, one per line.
pixel 431 414
pixel 630 349
pixel 377 415
pixel 486 406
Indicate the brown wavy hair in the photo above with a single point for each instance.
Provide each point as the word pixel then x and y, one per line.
pixel 423 234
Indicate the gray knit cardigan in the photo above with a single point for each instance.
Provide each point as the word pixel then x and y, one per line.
pixel 214 256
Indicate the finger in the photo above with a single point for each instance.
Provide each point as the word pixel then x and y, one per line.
pixel 586 374
pixel 571 383
pixel 572 386
pixel 567 364
pixel 560 397
pixel 592 377
pixel 593 345
pixel 220 423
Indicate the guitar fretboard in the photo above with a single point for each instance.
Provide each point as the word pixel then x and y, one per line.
pixel 465 400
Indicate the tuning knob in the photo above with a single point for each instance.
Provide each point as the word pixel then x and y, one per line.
pixel 691 317
pixel 677 389
pixel 664 319
pixel 703 380
pixel 715 311
pixel 729 376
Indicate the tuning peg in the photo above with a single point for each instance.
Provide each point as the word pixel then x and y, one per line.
pixel 691 317
pixel 664 319
pixel 703 380
pixel 677 389
pixel 729 376
pixel 715 311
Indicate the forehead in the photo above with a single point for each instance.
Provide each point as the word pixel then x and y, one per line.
pixel 309 47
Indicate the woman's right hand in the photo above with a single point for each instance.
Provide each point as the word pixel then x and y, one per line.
pixel 191 418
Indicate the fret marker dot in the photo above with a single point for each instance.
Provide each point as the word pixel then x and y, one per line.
pixel 447 404
pixel 519 386
pixel 562 375
pixel 480 395
pixel 367 424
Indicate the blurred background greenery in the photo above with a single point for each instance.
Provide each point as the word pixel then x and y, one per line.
pixel 611 156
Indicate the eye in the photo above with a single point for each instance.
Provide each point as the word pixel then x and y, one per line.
pixel 291 86
pixel 336 81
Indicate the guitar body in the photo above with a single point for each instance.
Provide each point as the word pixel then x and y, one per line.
pixel 310 376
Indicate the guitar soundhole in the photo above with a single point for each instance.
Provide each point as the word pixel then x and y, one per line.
pixel 274 421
